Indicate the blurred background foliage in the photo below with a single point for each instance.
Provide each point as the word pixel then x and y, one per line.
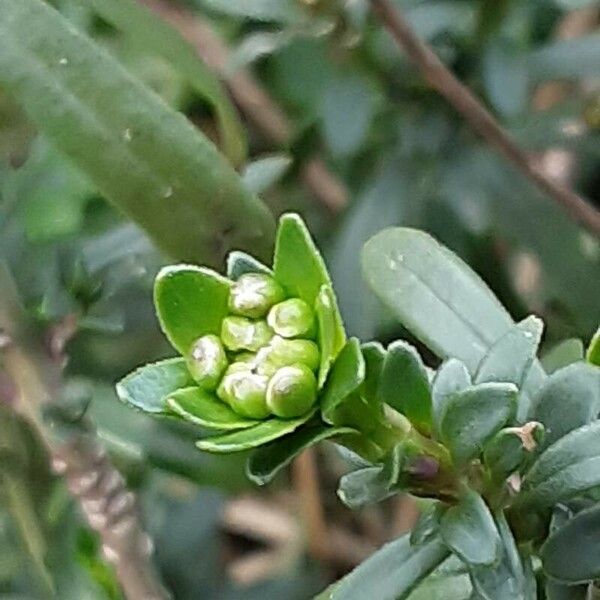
pixel 389 151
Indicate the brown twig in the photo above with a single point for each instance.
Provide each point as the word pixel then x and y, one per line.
pixel 482 121
pixel 108 506
pixel 252 99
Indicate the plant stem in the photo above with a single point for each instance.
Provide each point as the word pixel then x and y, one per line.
pixel 480 119
pixel 107 504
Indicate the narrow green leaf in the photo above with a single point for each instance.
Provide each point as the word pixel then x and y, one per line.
pixel 569 399
pixel 468 529
pixel 260 434
pixel 451 377
pixel 347 374
pixel 593 352
pixel 191 302
pixel 391 573
pixel 434 294
pixel 153 36
pixel 147 387
pixel 261 174
pixel 202 408
pixel 189 199
pixel 239 263
pixel 405 386
pixel 265 462
pixel 374 356
pixel 563 354
pixel 331 333
pixel 473 416
pixel 569 467
pixel 571 553
pixel 512 358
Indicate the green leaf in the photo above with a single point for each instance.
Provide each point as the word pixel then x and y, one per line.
pixel 363 486
pixel 374 356
pixel 265 462
pixel 559 591
pixel 444 586
pixel 260 434
pixel 563 354
pixel 428 523
pixel 570 554
pixel 262 174
pixel 434 294
pixel 404 385
pixel 392 572
pixel 331 335
pixel 147 387
pixel 202 408
pixel 153 36
pixel 512 358
pixel 190 302
pixel 593 352
pixel 566 469
pixel 451 377
pixel 239 263
pixel 117 132
pixel 569 399
pixel 473 416
pixel 347 374
pixel 468 529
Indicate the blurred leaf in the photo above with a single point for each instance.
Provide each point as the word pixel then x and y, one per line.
pixel 563 354
pixel 391 573
pixel 263 173
pixel 593 352
pixel 404 385
pixel 559 591
pixel 568 468
pixel 147 387
pixel 434 294
pixel 474 415
pixel 265 462
pixel 203 408
pixel 570 554
pixel 279 11
pixel 84 100
pixel 260 434
pixel 257 45
pixel 190 302
pixel 468 529
pixel 153 36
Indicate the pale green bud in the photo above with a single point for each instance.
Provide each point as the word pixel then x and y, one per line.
pixel 245 392
pixel 285 353
pixel 292 391
pixel 253 294
pixel 207 361
pixel 292 318
pixel 239 333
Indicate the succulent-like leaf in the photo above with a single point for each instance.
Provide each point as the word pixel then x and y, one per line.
pixel 563 354
pixel 469 530
pixel 404 385
pixel 146 388
pixel 190 302
pixel 265 462
pixel 434 294
pixel 374 356
pixel 140 154
pixel 451 377
pixel 260 434
pixel 473 416
pixel 203 408
pixel 391 573
pixel 592 354
pixel 363 486
pixel 569 399
pixel 347 374
pixel 570 554
pixel 239 263
pixel 569 467
pixel 428 524
pixel 560 591
pixel 331 331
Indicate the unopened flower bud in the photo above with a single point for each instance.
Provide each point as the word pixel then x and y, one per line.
pixel 292 318
pixel 253 294
pixel 285 353
pixel 207 361
pixel 292 391
pixel 245 392
pixel 239 333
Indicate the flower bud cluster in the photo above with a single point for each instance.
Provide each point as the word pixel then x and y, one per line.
pixel 264 361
